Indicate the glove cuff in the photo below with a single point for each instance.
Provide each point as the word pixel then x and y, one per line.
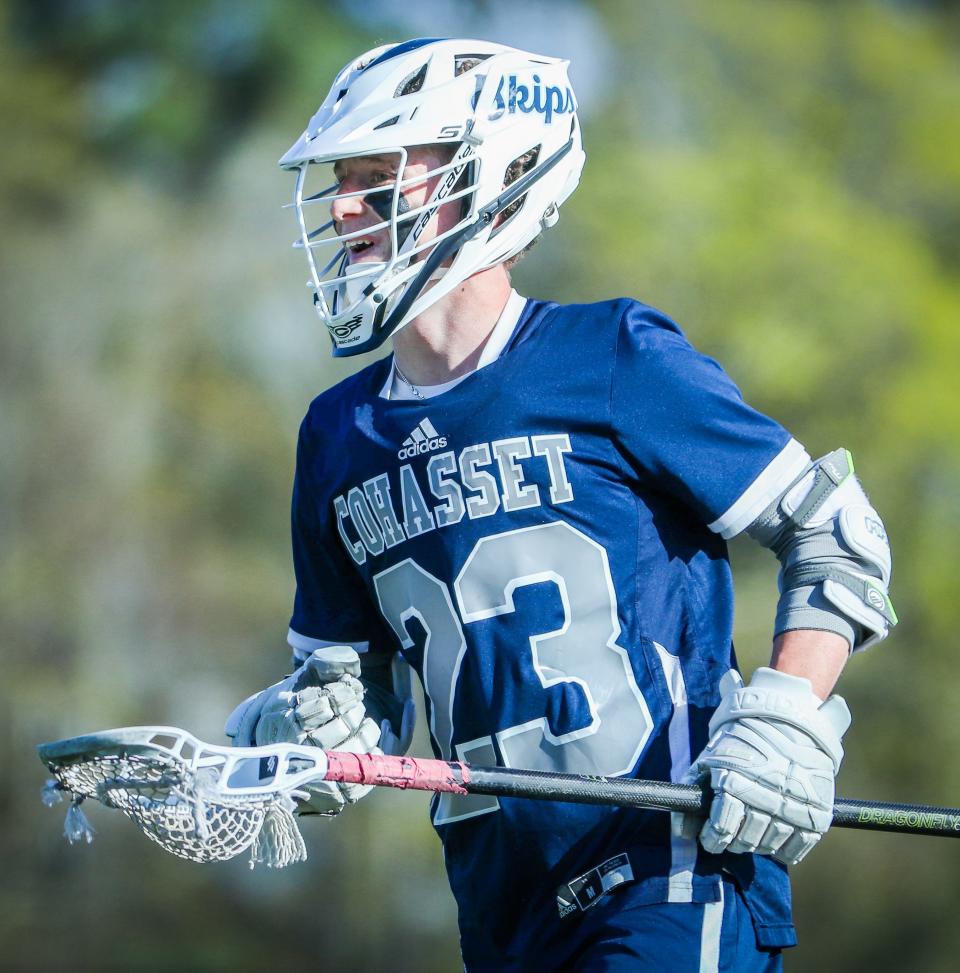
pixel 781 697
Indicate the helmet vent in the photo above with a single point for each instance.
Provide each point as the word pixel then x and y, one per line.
pixel 411 84
pixel 387 123
pixel 521 165
pixel 462 63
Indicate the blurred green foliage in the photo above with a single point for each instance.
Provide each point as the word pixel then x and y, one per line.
pixel 784 179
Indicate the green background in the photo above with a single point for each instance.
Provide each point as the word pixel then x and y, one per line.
pixel 781 177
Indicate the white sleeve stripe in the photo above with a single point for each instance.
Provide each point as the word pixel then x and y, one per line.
pixel 785 467
pixel 303 645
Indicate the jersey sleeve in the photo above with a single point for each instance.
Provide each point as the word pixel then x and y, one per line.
pixel 682 423
pixel 331 605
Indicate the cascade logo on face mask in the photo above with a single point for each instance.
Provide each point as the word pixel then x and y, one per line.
pixel 343 331
pixel 546 100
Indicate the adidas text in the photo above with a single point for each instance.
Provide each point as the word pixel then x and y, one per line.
pixel 424 438
pixel 424 446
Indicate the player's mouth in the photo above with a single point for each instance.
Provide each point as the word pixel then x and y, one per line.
pixel 363 248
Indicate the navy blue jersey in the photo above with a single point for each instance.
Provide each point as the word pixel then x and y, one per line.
pixel 537 542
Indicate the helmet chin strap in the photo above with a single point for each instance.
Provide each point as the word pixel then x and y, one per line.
pixel 358 276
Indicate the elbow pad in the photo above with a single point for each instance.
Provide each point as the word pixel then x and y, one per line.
pixel 834 554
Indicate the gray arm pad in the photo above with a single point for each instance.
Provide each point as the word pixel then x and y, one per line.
pixel 834 554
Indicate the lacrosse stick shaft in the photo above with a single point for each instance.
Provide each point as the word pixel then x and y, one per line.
pixel 460 778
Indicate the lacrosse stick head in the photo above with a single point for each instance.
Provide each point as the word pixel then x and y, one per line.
pixel 196 800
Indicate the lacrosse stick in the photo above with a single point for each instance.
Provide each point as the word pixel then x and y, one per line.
pixel 210 803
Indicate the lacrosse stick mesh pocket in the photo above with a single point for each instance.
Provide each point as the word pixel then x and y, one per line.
pixel 178 808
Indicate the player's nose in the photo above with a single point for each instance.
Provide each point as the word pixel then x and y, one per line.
pixel 342 207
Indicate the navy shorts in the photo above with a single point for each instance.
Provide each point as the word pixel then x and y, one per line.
pixel 620 935
pixel 672 937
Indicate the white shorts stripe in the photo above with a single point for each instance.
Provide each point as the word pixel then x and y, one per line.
pixel 782 470
pixel 710 935
pixel 683 851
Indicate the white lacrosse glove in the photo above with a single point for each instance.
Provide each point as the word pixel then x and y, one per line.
pixel 773 754
pixel 321 704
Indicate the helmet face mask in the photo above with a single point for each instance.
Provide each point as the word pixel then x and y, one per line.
pixel 446 119
pixel 384 243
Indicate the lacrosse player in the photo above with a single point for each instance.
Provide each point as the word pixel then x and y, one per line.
pixel 528 505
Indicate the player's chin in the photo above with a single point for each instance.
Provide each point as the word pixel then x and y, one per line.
pixel 371 256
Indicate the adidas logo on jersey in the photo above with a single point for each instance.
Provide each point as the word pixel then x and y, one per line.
pixel 423 439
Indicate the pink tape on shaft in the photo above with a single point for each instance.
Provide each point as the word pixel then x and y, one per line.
pixel 420 774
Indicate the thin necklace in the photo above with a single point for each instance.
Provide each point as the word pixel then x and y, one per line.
pixel 406 381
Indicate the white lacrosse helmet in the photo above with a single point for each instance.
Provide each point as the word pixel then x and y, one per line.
pixel 491 104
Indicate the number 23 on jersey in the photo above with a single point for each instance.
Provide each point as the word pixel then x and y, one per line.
pixel 583 653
